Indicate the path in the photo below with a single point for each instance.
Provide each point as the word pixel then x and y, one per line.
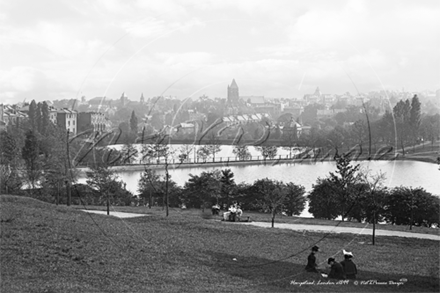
pixel 116 214
pixel 333 229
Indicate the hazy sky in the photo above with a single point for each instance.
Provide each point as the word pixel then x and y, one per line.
pixel 65 49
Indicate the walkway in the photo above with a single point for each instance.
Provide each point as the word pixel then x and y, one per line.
pixel 333 229
pixel 116 214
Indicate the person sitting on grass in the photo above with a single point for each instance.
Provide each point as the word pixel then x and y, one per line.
pixel 311 261
pixel 348 265
pixel 336 269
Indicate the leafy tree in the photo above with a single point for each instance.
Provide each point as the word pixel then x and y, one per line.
pixel 45 118
pixel 343 183
pixel 133 123
pixel 203 152
pixel 104 180
pixel 31 156
pixel 336 138
pixel 33 115
pixel 242 152
pixel 359 132
pixel 161 150
pixel 408 206
pixel 227 186
pixel 415 118
pixel 323 203
pixel 295 200
pixel 201 190
pixel 213 145
pixel 275 197
pixel 402 116
pixel 152 186
pixel 129 154
pixel 39 118
pixel 267 151
pixel 185 150
pixel 10 181
pixel 290 136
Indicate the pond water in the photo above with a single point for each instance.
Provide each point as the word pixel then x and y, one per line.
pixel 398 173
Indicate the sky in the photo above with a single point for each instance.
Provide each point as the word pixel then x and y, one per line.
pixel 60 49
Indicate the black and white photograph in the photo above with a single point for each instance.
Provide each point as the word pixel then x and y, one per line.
pixel 219 146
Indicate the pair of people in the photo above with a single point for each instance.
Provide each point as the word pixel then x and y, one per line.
pixel 345 269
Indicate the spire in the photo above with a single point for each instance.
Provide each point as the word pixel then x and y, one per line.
pixel 317 92
pixel 233 84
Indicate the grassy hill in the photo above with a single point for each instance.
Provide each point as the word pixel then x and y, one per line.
pixel 47 248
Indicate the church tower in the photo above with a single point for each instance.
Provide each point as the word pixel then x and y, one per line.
pixel 233 94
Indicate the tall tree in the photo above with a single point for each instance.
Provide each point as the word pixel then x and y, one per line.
pixel 415 118
pixel 133 123
pixel 359 132
pixel 39 118
pixel 45 119
pixel 402 116
pixel 31 156
pixel 102 179
pixel 9 164
pixel 276 197
pixel 343 182
pixel 33 115
pixel 227 186
pixel 201 190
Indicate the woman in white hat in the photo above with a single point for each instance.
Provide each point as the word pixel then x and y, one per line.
pixel 348 265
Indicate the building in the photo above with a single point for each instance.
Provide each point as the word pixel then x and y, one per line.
pixel 10 115
pixel 233 94
pixel 68 120
pixel 95 121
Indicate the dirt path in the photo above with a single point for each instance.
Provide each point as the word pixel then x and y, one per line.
pixel 333 229
pixel 116 214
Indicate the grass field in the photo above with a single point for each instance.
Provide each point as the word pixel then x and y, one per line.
pixel 47 248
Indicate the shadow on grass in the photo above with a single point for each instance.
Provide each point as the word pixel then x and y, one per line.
pixel 285 276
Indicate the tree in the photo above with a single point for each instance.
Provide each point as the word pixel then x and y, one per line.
pixel 9 164
pixel 213 145
pixel 295 201
pixel 129 154
pixel 45 118
pixel 343 183
pixel 242 152
pixel 415 118
pixel 185 150
pixel 290 135
pixel 102 179
pixel 153 186
pixel 267 151
pixel 133 123
pixel 375 197
pixel 31 156
pixel 402 116
pixel 203 152
pixel 33 115
pixel 323 203
pixel 39 118
pixel 359 132
pixel 271 196
pixel 408 206
pixel 160 150
pixel 227 186
pixel 202 189
pixel 430 128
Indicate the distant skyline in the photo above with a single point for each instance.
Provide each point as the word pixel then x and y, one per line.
pixel 66 49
